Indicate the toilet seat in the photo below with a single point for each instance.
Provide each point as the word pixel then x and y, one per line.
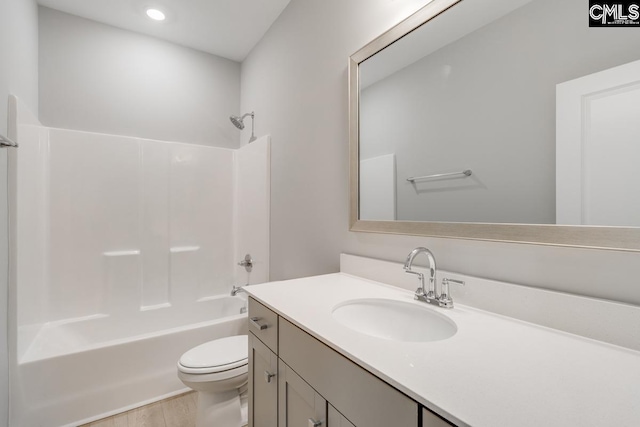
pixel 227 356
pixel 213 376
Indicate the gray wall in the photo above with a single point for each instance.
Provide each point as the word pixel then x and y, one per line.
pixel 296 80
pixel 487 102
pixel 18 76
pixel 99 78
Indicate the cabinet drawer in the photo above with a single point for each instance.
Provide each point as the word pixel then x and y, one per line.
pixel 361 397
pixel 263 323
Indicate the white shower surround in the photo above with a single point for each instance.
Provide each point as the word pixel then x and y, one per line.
pixel 125 257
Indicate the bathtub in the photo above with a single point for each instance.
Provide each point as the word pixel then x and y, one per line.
pixel 78 371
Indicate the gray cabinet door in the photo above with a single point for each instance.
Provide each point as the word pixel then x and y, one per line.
pixel 299 405
pixel 263 385
pixel 429 419
pixel 336 419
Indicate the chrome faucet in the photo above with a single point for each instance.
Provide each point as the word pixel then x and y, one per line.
pixel 430 296
pixel 421 293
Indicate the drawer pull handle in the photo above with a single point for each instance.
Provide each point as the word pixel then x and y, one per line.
pixel 254 322
pixel 314 423
pixel 268 376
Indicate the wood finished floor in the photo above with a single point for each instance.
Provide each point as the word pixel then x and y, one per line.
pixel 179 411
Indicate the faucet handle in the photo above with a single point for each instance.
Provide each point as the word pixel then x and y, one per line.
pixel 247 263
pixel 457 282
pixel 444 300
pixel 420 291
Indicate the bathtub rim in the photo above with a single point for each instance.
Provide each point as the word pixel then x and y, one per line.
pixel 24 360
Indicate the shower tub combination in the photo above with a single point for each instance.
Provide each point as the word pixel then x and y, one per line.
pixel 123 255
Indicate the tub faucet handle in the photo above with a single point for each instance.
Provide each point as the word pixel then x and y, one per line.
pixel 247 263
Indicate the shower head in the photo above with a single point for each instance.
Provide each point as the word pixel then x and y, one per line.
pixel 238 121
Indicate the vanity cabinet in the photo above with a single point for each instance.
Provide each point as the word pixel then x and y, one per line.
pixel 263 384
pixel 316 385
pixel 353 391
pixel 429 419
pixel 336 419
pixel 298 403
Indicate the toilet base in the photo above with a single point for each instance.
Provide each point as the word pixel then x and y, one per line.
pixel 244 409
pixel 219 409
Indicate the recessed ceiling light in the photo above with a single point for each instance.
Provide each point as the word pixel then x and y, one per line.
pixel 156 14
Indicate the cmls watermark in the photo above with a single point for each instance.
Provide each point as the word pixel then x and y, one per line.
pixel 614 14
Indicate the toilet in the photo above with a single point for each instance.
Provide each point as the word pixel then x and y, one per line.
pixel 218 371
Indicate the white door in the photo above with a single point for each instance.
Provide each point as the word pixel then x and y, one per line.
pixel 598 148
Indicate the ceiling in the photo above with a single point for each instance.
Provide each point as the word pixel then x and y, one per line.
pixel 227 28
pixel 459 21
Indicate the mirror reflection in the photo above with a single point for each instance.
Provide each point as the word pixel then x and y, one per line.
pixel 503 111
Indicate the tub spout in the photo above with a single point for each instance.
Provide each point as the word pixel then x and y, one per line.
pixel 236 290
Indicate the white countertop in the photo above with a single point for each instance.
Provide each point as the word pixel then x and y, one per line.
pixel 495 371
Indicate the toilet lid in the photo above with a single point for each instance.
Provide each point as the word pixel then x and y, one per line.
pixel 221 354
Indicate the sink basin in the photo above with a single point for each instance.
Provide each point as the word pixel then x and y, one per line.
pixel 394 320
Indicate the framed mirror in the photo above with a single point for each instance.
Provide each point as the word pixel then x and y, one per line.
pixel 501 120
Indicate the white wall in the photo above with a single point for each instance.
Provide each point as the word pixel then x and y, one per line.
pixel 99 78
pixel 18 54
pixel 252 210
pixel 18 75
pixel 296 80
